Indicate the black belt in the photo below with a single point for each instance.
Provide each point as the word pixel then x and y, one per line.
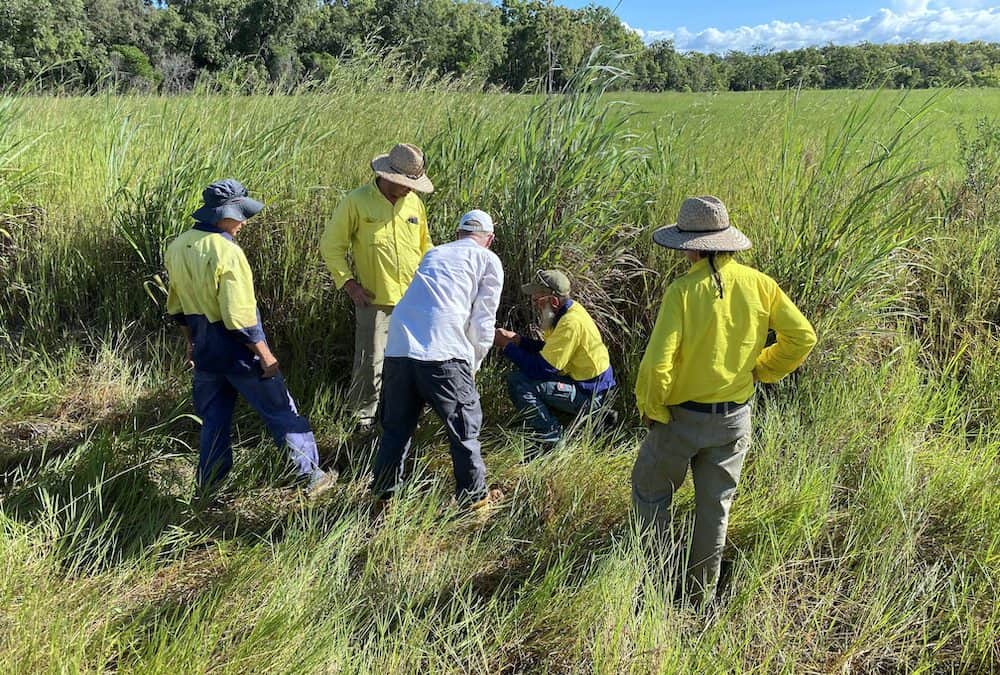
pixel 723 408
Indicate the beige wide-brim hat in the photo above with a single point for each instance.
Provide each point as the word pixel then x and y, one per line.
pixel 702 225
pixel 404 165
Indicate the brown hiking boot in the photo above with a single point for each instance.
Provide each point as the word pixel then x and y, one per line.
pixel 484 507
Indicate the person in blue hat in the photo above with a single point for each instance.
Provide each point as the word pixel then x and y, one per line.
pixel 212 298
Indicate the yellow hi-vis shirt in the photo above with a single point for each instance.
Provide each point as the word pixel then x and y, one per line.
pixel 211 292
pixel 574 347
pixel 385 240
pixel 707 349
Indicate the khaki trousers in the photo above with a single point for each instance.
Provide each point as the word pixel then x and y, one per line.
pixel 370 335
pixel 714 446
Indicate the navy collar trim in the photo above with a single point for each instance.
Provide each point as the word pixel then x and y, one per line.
pixel 562 311
pixel 214 229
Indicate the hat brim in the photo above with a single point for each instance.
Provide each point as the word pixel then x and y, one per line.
pixel 729 239
pixel 531 289
pixel 383 169
pixel 241 209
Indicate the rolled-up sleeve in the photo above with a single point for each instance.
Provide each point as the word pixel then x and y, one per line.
pixel 237 303
pixel 795 339
pixel 656 370
pixel 483 318
pixel 336 241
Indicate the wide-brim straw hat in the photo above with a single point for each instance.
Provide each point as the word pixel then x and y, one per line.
pixel 404 165
pixel 702 225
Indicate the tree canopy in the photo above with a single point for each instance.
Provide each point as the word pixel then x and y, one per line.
pixel 516 44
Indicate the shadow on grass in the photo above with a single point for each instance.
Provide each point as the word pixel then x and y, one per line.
pixel 106 491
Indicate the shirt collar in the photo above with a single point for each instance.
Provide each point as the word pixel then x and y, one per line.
pixel 562 311
pixel 720 262
pixel 214 229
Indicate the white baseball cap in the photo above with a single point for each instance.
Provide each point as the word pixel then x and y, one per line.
pixel 476 221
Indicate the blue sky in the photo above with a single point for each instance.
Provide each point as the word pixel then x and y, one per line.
pixel 784 24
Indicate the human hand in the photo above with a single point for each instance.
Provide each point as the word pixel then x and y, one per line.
pixel 361 296
pixel 646 422
pixel 189 355
pixel 269 368
pixel 502 337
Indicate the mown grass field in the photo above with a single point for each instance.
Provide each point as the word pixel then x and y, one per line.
pixel 865 534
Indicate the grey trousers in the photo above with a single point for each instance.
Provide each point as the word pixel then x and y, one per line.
pixel 370 335
pixel 714 446
pixel 449 389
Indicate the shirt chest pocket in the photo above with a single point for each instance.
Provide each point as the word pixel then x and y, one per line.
pixel 408 228
pixel 377 232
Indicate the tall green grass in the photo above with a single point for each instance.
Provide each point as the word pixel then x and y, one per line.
pixel 864 535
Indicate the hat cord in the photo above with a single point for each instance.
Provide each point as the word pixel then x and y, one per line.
pixel 715 273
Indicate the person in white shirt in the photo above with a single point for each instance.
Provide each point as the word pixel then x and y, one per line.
pixel 439 333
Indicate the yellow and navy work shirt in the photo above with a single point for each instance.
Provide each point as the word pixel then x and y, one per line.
pixel 211 292
pixel 572 351
pixel 707 349
pixel 385 240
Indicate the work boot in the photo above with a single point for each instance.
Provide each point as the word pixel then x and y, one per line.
pixel 203 502
pixel 481 509
pixel 366 427
pixel 320 481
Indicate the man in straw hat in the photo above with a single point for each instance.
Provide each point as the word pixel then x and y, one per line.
pixel 439 334
pixel 383 225
pixel 212 298
pixel 568 370
pixel 697 377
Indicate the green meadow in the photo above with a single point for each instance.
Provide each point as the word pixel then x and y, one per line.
pixel 865 535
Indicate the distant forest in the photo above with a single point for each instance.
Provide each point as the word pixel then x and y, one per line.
pixel 169 46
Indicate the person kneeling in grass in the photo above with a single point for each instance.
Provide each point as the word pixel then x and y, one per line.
pixel 697 377
pixel 212 297
pixel 439 334
pixel 569 370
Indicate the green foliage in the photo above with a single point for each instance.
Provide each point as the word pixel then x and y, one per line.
pixel 134 64
pixel 569 166
pixel 514 44
pixel 977 200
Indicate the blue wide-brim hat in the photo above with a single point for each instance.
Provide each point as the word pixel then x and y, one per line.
pixel 226 199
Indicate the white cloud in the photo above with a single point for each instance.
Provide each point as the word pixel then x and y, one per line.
pixel 917 20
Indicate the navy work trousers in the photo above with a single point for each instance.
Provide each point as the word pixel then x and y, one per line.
pixel 407 386
pixel 535 398
pixel 214 401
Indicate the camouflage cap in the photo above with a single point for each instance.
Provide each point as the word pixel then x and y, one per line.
pixel 548 282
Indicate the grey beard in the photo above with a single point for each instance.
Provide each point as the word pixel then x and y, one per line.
pixel 546 318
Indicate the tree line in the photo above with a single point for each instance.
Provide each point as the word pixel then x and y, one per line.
pixel 167 45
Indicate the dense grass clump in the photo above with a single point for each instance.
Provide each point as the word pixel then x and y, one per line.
pixel 864 537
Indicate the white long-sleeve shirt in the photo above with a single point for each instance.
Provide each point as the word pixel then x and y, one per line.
pixel 449 310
